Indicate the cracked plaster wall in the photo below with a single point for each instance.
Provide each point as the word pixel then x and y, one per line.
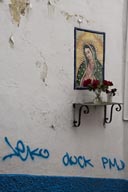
pixel 36 83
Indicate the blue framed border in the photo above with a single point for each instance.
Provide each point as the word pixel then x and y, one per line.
pixel 104 42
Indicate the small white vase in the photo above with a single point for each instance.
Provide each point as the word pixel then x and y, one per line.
pixel 109 97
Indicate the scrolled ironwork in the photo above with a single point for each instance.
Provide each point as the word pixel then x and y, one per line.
pixel 118 108
pixel 85 111
pixel 108 120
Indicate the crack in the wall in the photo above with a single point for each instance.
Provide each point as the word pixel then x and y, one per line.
pixel 18 8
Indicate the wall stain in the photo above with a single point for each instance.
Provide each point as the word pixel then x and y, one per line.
pixel 18 8
pixel 36 112
pixel 38 64
pixel 43 72
pixel 52 127
pixel 42 66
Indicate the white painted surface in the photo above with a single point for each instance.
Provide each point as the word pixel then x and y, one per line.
pixel 36 87
pixel 125 112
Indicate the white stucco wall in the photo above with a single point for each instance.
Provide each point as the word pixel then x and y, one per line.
pixel 36 87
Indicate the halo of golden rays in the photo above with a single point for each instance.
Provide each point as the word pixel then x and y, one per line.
pixel 83 38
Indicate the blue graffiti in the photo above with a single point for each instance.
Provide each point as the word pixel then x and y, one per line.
pixel 23 151
pixel 81 161
pixel 108 163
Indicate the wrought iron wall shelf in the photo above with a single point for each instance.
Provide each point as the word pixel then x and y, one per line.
pixel 85 107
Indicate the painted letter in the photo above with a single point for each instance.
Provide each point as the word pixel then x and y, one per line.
pixel 104 162
pixel 66 159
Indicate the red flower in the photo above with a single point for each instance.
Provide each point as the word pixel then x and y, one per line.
pixel 95 83
pixel 107 83
pixel 87 82
pixel 110 83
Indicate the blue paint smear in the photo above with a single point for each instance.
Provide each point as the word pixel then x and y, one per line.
pixel 32 183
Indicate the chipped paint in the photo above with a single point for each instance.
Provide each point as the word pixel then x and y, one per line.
pixel 51 7
pixel 78 18
pixel 18 8
pixel 11 41
pixel 49 2
pixel 52 2
pixel 72 16
pixel 67 15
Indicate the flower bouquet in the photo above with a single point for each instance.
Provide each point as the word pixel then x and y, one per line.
pixel 98 87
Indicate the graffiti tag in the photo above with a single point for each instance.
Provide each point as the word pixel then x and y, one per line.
pixel 81 161
pixel 23 152
pixel 112 163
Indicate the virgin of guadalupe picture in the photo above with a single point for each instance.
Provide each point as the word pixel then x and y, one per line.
pixel 89 56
